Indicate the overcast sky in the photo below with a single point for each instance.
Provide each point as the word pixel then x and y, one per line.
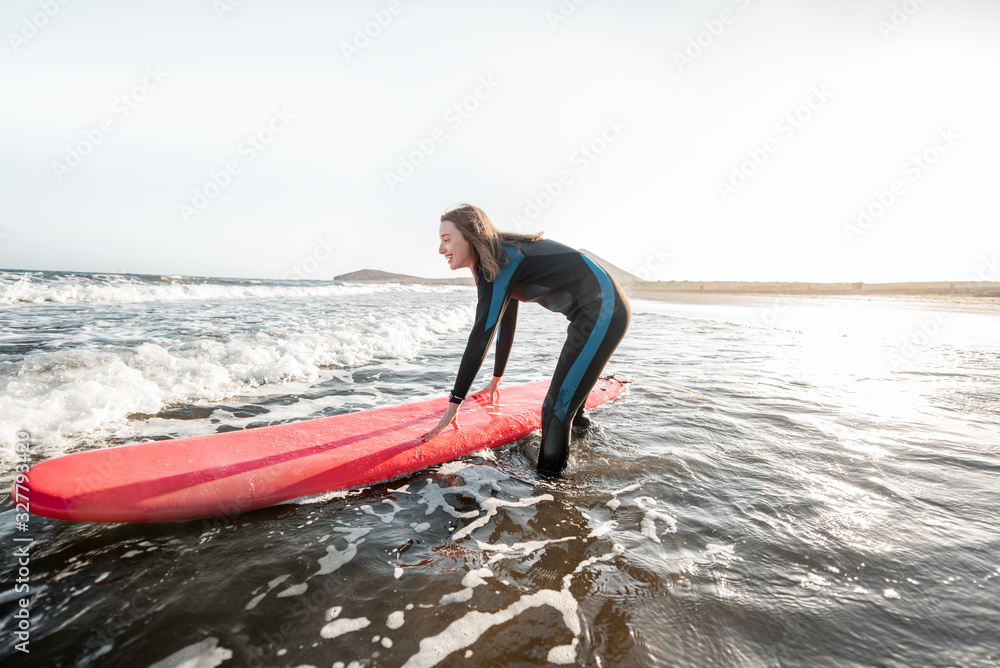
pixel 819 140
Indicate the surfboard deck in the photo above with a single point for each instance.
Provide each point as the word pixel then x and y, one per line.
pixel 236 471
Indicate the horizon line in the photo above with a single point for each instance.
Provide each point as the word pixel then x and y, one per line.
pixel 638 282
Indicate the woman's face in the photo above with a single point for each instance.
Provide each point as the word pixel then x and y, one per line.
pixel 454 246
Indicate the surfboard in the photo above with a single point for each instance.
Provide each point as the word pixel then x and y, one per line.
pixel 236 471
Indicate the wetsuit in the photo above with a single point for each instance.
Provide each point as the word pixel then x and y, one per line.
pixel 564 280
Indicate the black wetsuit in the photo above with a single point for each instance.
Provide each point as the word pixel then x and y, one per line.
pixel 564 280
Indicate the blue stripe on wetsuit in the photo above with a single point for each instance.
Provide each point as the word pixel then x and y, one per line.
pixel 572 380
pixel 500 284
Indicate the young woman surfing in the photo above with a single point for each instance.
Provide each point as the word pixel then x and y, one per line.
pixel 511 268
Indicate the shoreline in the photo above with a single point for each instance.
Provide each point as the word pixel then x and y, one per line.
pixel 965 303
pixel 918 289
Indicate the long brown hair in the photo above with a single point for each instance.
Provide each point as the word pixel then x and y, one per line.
pixel 485 240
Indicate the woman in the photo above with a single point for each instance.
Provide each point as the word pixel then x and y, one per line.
pixel 511 268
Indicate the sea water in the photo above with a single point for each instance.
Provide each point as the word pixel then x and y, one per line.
pixel 788 481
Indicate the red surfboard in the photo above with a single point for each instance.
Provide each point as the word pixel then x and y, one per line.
pixel 232 472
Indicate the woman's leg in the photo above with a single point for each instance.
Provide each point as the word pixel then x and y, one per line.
pixel 590 342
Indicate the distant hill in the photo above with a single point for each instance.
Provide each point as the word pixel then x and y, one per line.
pixel 376 276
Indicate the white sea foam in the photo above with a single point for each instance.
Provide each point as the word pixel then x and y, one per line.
pixel 385 517
pixel 466 630
pixel 648 525
pixel 86 393
pixel 564 655
pixel 335 558
pixel 329 563
pixel 604 528
pixel 294 590
pixel 18 288
pixel 339 627
pixel 491 506
pixel 522 549
pixel 615 502
pixel 204 654
pixel 470 581
pixel 475 478
pixel 270 585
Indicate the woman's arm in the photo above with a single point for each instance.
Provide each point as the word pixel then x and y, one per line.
pixel 488 309
pixel 494 296
pixel 475 351
pixel 505 339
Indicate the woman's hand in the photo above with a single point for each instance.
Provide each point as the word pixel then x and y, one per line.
pixel 450 417
pixel 493 389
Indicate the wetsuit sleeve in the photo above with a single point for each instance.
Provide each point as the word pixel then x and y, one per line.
pixel 506 337
pixel 480 338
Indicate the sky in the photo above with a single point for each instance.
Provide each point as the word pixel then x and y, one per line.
pixel 755 140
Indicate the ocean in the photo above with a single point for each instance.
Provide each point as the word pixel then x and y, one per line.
pixel 787 482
